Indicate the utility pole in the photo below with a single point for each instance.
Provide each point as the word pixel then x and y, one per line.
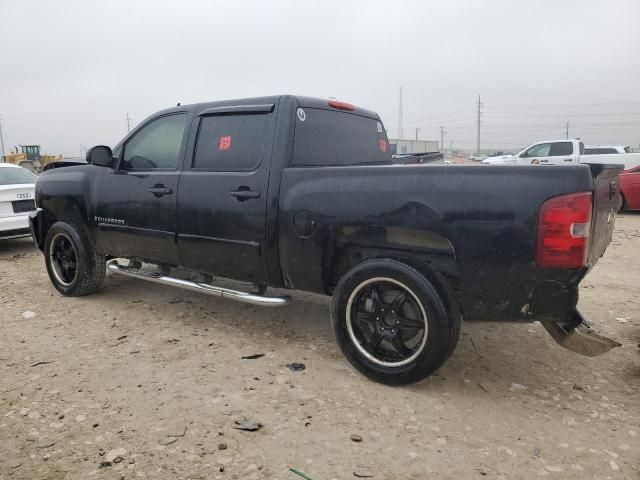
pixel 128 123
pixel 451 147
pixel 567 130
pixel 442 132
pixel 400 131
pixel 479 112
pixel 1 142
pixel 417 130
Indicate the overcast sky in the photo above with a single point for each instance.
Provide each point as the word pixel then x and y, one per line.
pixel 70 71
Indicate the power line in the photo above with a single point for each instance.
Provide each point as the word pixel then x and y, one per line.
pixel 564 115
pixel 570 105
pixel 431 117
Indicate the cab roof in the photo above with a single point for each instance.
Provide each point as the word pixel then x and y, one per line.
pixel 302 101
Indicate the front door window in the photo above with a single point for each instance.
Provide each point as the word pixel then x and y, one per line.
pixel 156 146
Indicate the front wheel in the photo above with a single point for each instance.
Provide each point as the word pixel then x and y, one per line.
pixel 391 323
pixel 73 265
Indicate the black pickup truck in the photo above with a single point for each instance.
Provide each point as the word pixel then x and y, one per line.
pixel 301 193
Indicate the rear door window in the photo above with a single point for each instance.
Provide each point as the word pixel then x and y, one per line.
pixel 561 148
pixel 334 138
pixel 230 143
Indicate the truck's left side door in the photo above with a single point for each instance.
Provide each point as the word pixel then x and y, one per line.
pixel 222 199
pixel 135 202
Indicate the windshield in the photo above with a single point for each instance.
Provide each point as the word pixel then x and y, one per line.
pixel 13 176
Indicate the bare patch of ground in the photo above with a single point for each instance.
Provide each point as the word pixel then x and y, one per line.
pixel 143 381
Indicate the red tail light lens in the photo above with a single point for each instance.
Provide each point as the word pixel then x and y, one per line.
pixel 341 105
pixel 564 224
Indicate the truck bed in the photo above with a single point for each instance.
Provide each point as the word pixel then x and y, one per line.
pixel 477 225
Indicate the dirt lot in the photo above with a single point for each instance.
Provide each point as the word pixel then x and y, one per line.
pixel 150 379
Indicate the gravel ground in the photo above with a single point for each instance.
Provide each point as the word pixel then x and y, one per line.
pixel 143 381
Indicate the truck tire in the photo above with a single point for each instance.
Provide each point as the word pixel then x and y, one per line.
pixel 73 265
pixel 391 323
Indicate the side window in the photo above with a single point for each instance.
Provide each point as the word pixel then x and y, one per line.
pixel 561 148
pixel 156 146
pixel 541 150
pixel 230 143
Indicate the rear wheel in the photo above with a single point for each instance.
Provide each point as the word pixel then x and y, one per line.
pixel 391 323
pixel 72 264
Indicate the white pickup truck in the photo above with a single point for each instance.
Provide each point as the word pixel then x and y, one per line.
pixel 563 152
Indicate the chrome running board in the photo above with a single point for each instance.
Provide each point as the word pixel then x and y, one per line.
pixel 157 277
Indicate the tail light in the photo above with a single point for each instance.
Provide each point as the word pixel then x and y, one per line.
pixel 564 224
pixel 341 105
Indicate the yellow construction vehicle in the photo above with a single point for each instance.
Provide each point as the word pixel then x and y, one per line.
pixel 30 158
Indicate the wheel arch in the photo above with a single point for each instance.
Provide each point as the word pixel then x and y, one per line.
pixel 65 210
pixel 428 252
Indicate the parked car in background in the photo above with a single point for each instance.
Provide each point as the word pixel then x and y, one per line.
pixel 605 149
pixel 630 189
pixel 17 194
pixel 564 152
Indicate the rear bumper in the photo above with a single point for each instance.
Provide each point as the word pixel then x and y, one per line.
pixel 14 226
pixel 580 338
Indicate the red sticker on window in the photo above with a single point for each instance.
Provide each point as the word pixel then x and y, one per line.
pixel 383 145
pixel 224 143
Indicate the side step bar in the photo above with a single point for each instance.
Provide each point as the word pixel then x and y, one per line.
pixel 156 277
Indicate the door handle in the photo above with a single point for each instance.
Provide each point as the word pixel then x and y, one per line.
pixel 159 190
pixel 243 194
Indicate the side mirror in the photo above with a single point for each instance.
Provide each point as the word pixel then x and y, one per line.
pixel 100 155
pixel 524 155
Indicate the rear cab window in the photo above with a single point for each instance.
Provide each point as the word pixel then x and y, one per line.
pixel 338 138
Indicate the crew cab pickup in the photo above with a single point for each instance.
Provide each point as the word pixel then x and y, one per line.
pixel 565 152
pixel 301 193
